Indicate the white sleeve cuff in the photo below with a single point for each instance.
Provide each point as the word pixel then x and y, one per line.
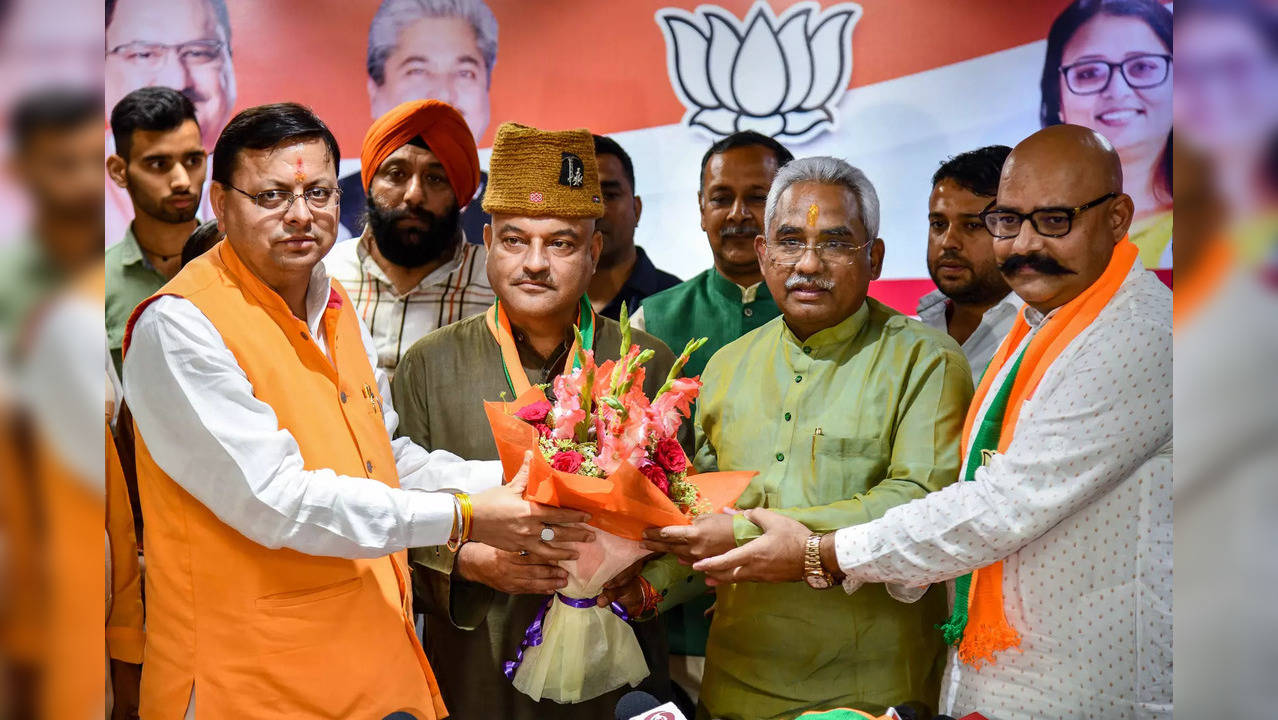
pixel 852 550
pixel 431 521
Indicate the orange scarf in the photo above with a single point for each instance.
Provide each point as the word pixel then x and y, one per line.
pixel 499 325
pixel 987 630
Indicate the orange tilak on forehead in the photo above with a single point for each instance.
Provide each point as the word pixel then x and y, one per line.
pixel 299 175
pixel 813 213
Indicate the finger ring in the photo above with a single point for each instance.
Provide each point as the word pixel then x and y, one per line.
pixel 547 534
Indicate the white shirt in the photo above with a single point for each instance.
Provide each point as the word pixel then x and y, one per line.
pixel 980 346
pixel 196 410
pixel 1079 511
pixel 454 291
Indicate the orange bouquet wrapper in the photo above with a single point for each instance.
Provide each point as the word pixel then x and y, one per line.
pixel 625 503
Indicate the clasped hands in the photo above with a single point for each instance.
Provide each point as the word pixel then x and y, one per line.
pixel 709 546
pixel 507 552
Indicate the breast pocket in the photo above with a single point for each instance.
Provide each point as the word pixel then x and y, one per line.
pixel 843 466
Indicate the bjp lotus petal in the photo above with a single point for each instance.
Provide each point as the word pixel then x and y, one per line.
pixel 781 76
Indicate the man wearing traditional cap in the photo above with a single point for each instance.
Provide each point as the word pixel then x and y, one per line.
pixel 277 506
pixel 411 271
pixel 543 194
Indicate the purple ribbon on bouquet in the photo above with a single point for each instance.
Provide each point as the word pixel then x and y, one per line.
pixel 533 637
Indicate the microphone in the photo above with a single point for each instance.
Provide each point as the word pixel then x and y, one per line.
pixel 639 705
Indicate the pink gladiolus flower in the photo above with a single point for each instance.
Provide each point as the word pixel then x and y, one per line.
pixel 666 414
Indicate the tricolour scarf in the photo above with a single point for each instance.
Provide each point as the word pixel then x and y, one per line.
pixel 978 624
pixel 499 325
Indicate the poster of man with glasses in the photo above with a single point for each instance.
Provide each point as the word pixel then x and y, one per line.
pixel 181 44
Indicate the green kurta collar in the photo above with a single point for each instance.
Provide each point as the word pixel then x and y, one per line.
pixel 831 337
pixel 732 291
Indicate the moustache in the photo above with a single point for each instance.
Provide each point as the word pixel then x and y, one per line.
pixel 748 229
pixel 1034 261
pixel 816 281
pixel 953 256
pixel 539 280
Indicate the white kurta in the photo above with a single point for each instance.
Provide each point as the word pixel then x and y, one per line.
pixel 196 411
pixel 1079 510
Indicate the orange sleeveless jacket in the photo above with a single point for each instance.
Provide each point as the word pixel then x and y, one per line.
pixel 264 633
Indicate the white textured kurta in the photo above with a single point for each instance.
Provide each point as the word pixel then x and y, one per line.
pixel 1079 510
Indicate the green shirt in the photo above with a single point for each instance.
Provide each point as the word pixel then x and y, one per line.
pixel 861 417
pixel 439 389
pixel 710 306
pixel 130 279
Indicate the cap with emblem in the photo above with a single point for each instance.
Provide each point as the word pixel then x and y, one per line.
pixel 543 173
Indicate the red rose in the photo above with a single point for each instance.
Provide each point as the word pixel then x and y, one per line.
pixel 534 413
pixel 567 461
pixel 543 429
pixel 669 455
pixel 655 475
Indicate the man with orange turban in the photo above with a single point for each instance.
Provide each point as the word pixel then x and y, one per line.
pixel 411 270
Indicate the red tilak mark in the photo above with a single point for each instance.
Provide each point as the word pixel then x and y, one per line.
pixel 299 176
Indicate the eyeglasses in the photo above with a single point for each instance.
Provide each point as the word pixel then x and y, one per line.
pixel 317 197
pixel 1048 222
pixel 1093 76
pixel 788 251
pixel 151 55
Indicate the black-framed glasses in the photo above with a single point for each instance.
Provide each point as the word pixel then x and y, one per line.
pixel 1048 221
pixel 789 251
pixel 1140 71
pixel 318 197
pixel 153 54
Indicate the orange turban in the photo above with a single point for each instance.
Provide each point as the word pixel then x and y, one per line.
pixel 440 127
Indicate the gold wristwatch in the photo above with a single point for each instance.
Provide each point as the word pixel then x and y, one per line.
pixel 814 573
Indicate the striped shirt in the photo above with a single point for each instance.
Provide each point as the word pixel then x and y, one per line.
pixel 457 289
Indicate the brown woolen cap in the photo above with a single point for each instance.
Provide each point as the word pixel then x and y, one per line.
pixel 543 173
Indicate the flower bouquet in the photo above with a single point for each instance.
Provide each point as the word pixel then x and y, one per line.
pixel 603 447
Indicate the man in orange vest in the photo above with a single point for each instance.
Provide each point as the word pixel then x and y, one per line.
pixel 277 507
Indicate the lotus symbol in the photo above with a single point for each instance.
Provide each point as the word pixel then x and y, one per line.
pixel 781 76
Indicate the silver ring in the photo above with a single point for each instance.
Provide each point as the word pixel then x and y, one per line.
pixel 547 534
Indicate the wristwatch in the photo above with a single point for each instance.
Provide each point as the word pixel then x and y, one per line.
pixel 814 573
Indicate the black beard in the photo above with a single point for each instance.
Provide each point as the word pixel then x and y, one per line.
pixel 413 247
pixel 982 289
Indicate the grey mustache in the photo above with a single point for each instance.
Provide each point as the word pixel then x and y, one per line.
pixel 810 280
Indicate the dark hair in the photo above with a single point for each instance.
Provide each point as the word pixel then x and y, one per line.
pixel 976 171
pixel 219 12
pixel 201 241
pixel 148 108
pixel 745 138
pixel 608 146
pixel 53 109
pixel 267 126
pixel 1155 15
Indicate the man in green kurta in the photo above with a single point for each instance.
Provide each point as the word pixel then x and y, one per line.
pixel 541 257
pixel 846 408
pixel 721 304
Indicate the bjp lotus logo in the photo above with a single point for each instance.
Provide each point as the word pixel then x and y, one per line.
pixel 781 76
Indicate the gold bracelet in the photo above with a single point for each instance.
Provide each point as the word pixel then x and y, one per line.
pixel 459 525
pixel 468 517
